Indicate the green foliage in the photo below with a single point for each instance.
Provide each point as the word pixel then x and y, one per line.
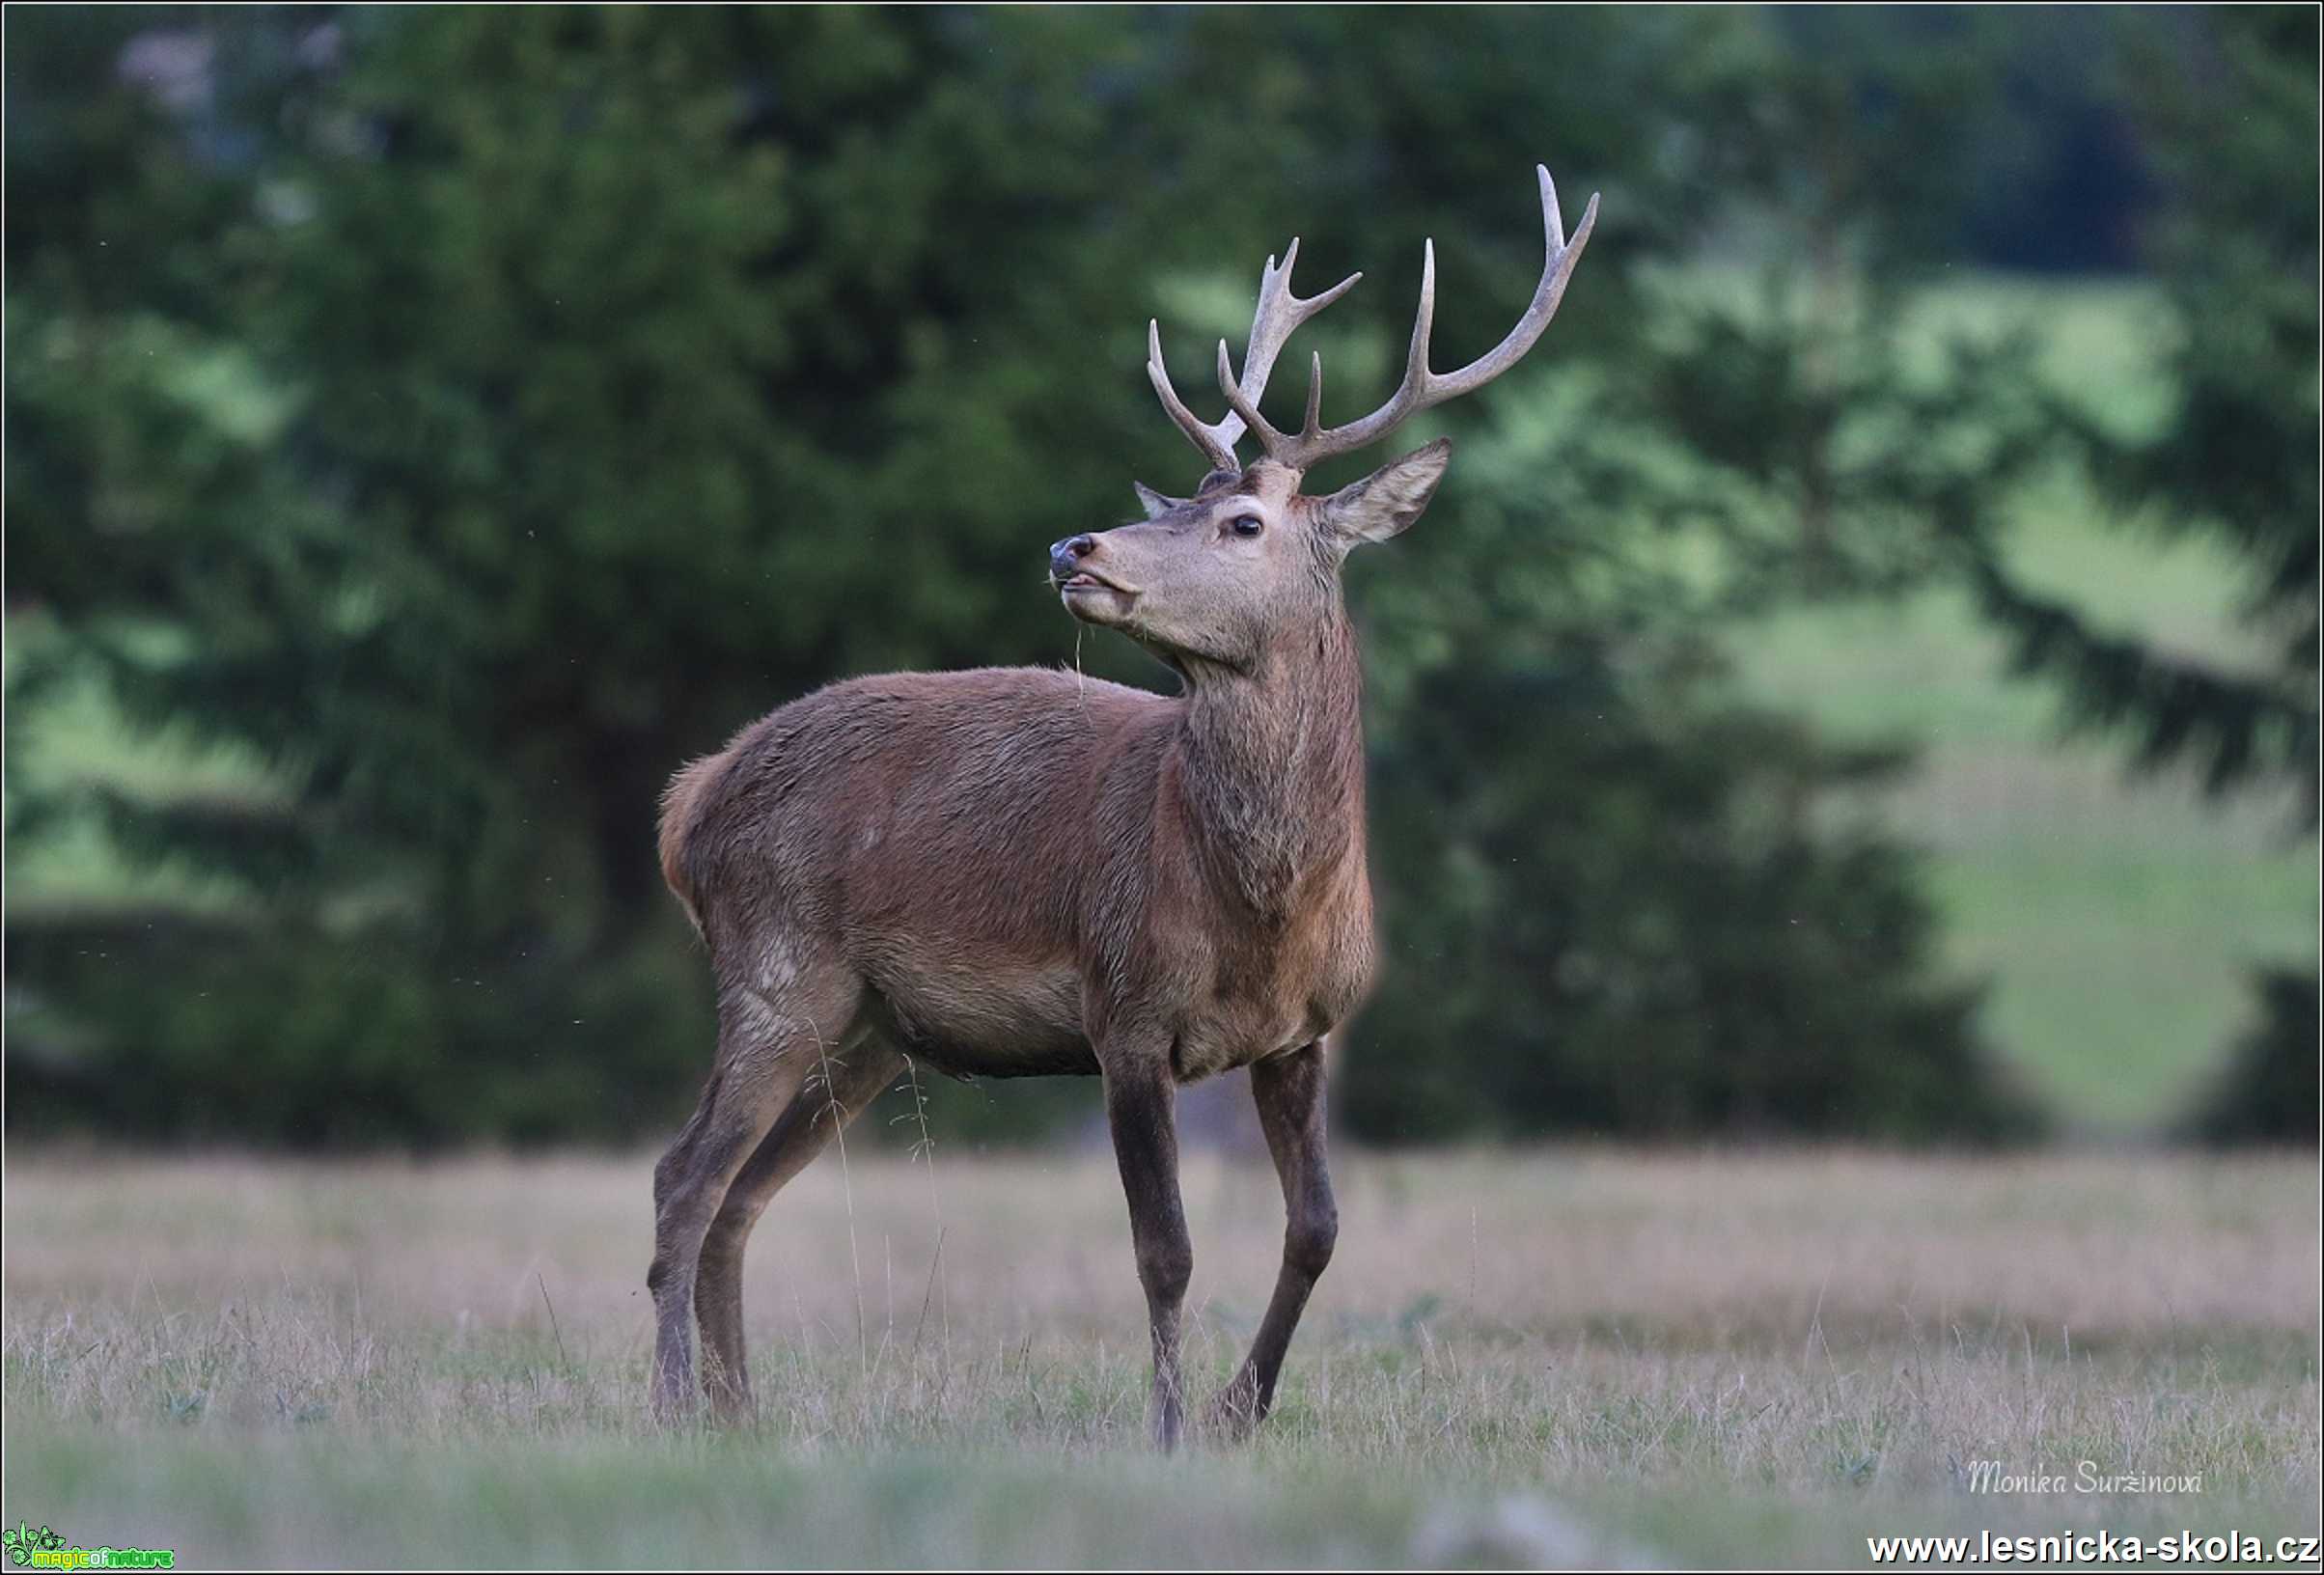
pixel 2268 1091
pixel 1637 903
pixel 459 417
pixel 1705 959
pixel 585 401
pixel 2232 119
pixel 2232 116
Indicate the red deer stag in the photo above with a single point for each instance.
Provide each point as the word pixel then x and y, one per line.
pixel 1014 872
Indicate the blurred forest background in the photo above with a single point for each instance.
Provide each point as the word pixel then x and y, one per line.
pixel 1859 679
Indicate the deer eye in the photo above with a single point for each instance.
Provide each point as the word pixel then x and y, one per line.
pixel 1248 525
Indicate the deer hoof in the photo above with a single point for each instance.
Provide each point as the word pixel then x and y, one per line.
pixel 1233 1415
pixel 673 1401
pixel 733 1409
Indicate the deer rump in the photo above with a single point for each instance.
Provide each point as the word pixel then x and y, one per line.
pixel 968 845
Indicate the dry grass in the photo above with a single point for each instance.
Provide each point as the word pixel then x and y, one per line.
pixel 1816 1340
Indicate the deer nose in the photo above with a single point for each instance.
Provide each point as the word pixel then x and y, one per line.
pixel 1064 555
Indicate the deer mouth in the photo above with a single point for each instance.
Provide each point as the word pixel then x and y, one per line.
pixel 1095 599
pixel 1082 582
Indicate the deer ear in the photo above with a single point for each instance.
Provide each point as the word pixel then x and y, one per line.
pixel 1152 502
pixel 1384 502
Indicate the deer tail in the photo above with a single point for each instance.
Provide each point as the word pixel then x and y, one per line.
pixel 681 808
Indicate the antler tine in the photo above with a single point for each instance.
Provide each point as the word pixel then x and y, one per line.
pixel 1279 312
pixel 1555 272
pixel 1421 388
pixel 1278 315
pixel 1246 409
pixel 1215 442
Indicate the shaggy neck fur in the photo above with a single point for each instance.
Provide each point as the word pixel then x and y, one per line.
pixel 1272 764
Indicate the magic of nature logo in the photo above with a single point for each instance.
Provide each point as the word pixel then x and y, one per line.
pixel 45 1548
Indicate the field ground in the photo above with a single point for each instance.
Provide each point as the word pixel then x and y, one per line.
pixel 1561 1356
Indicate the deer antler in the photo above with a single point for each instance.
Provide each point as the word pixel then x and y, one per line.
pixel 1279 312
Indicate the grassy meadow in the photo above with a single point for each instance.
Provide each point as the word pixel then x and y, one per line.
pixel 1549 1357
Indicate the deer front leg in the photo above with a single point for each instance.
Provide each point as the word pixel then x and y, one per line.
pixel 1141 1103
pixel 1289 1090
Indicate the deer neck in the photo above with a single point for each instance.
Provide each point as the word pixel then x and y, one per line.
pixel 1271 764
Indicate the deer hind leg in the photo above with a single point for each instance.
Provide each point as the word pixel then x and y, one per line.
pixel 769 1044
pixel 1289 1090
pixel 834 1095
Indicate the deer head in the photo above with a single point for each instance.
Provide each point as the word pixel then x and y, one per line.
pixel 1208 580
